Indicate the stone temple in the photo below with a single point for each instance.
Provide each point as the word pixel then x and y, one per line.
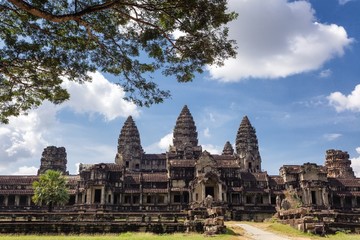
pixel 185 175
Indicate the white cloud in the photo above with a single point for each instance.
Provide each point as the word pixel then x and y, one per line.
pixel 277 38
pixel 211 148
pixel 24 170
pixel 343 2
pixel 207 132
pixel 325 73
pixel 162 145
pixel 166 141
pixel 332 136
pixel 342 102
pixel 99 97
pixel 24 138
pixel 355 163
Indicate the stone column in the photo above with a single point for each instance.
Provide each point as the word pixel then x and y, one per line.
pixel 89 197
pixel 29 200
pixel 6 200
pixel 220 192
pixel 342 200
pixel 353 202
pixel 103 200
pixel 17 199
pixel 202 187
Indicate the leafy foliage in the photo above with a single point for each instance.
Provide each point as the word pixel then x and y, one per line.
pixel 43 41
pixel 51 189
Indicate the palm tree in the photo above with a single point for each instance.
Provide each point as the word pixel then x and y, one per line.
pixel 50 189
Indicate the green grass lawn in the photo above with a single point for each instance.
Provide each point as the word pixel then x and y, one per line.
pixel 230 235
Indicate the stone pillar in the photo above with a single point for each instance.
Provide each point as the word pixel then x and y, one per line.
pixel 6 200
pixel 103 195
pixel 17 199
pixel 353 202
pixel 28 200
pixel 325 197
pixel 220 192
pixel 89 196
pixel 202 187
pixel 342 200
pixel 308 196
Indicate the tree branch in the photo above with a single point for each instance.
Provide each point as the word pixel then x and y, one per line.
pixel 61 18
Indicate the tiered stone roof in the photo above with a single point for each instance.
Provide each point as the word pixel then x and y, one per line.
pixel 338 164
pixel 129 145
pixel 53 158
pixel 246 137
pixel 185 130
pixel 228 149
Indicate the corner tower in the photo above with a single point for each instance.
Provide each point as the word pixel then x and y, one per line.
pixel 185 136
pixel 53 158
pixel 129 147
pixel 338 164
pixel 247 146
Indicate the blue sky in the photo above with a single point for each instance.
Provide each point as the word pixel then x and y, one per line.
pixel 296 77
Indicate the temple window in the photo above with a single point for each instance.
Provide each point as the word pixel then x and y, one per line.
pixel 177 198
pixel 127 199
pixel 161 199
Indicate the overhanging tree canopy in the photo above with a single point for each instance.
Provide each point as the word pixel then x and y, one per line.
pixel 41 41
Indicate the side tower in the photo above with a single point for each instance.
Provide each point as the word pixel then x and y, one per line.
pixel 129 147
pixel 53 158
pixel 228 149
pixel 338 164
pixel 247 147
pixel 185 136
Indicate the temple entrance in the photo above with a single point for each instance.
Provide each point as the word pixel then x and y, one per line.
pixel 97 198
pixel 209 191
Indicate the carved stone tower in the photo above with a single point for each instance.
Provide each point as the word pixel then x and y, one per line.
pixel 53 158
pixel 129 147
pixel 185 136
pixel 247 147
pixel 338 164
pixel 228 149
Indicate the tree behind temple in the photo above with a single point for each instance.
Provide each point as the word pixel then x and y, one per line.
pixel 51 189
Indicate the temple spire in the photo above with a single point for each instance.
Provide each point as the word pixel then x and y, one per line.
pixel 228 149
pixel 129 146
pixel 247 146
pixel 185 130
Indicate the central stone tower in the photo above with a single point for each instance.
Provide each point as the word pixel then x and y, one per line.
pixel 130 150
pixel 247 147
pixel 185 136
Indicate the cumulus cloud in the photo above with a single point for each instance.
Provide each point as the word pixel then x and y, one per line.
pixel 332 136
pixel 325 73
pixel 343 2
pixel 342 102
pixel 355 163
pixel 162 145
pixel 24 138
pixel 212 148
pixel 207 132
pixel 278 38
pixel 99 97
pixel 24 170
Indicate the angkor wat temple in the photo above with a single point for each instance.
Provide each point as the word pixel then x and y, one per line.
pixel 185 175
